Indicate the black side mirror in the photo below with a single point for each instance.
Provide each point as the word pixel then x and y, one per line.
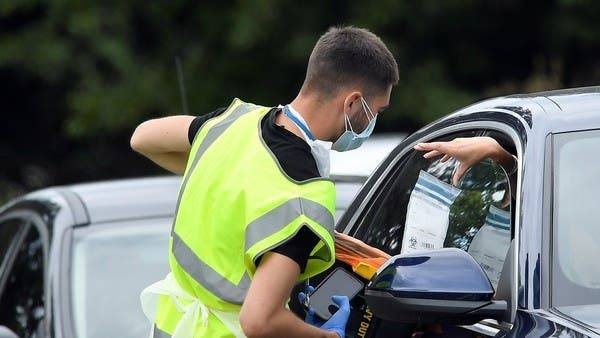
pixel 5 332
pixel 441 286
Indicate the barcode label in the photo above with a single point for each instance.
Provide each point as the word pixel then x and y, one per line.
pixel 428 246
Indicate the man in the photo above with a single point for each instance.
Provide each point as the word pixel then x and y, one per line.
pixel 255 212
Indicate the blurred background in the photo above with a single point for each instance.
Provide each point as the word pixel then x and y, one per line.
pixel 76 78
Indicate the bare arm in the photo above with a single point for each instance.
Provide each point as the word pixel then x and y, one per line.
pixel 468 151
pixel 164 141
pixel 263 313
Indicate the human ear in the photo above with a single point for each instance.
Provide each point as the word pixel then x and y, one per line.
pixel 351 100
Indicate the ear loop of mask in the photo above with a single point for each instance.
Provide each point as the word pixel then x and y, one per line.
pixel 347 123
pixel 367 109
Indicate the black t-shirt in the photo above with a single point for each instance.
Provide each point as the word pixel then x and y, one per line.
pixel 296 160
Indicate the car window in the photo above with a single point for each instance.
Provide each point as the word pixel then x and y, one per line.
pixel 576 272
pixel 22 301
pixel 110 265
pixel 419 208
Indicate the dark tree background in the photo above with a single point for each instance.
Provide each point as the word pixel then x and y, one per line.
pixel 76 78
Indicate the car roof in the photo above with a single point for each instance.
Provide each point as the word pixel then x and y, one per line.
pixel 573 100
pixel 550 111
pixel 129 198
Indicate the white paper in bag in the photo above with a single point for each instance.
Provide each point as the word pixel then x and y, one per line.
pixel 491 243
pixel 427 214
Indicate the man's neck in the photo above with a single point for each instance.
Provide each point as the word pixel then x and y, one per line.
pixel 284 121
pixel 315 114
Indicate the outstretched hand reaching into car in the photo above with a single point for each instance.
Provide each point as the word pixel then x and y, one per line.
pixel 469 151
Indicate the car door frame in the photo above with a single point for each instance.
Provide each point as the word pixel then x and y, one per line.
pixel 30 219
pixel 488 119
pixel 11 253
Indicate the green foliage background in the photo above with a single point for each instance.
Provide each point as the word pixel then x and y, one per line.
pixel 77 76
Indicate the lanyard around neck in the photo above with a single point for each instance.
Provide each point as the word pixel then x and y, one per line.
pixel 297 121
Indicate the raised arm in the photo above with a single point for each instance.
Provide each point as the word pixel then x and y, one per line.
pixel 164 141
pixel 469 151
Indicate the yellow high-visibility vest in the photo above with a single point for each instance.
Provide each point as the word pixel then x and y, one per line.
pixel 235 204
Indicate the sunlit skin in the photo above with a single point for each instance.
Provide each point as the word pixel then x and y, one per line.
pixel 468 151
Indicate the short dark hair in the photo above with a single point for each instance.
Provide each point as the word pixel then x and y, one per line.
pixel 350 56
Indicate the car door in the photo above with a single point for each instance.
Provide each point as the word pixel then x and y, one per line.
pixel 478 214
pixel 570 290
pixel 22 271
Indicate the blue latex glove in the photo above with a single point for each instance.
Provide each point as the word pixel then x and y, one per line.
pixel 337 322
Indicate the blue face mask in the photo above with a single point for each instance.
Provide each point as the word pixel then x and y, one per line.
pixel 351 140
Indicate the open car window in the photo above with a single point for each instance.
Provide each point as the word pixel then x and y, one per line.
pixel 419 209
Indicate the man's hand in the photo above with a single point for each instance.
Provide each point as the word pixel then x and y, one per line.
pixel 263 313
pixel 468 151
pixel 164 141
pixel 337 322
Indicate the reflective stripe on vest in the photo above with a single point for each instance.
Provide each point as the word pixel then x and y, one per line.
pixel 276 219
pixel 207 276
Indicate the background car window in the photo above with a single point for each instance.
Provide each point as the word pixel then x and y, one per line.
pixel 22 301
pixel 478 209
pixel 345 193
pixel 576 224
pixel 110 265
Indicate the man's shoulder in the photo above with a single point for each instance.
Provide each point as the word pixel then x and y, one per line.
pixel 293 153
pixel 199 121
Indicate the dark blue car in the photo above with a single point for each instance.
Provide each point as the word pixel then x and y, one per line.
pixel 549 276
pixel 74 259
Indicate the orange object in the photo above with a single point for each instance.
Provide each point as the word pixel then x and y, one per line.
pixel 364 259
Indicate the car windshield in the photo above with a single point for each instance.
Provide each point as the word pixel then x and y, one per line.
pixel 576 273
pixel 111 265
